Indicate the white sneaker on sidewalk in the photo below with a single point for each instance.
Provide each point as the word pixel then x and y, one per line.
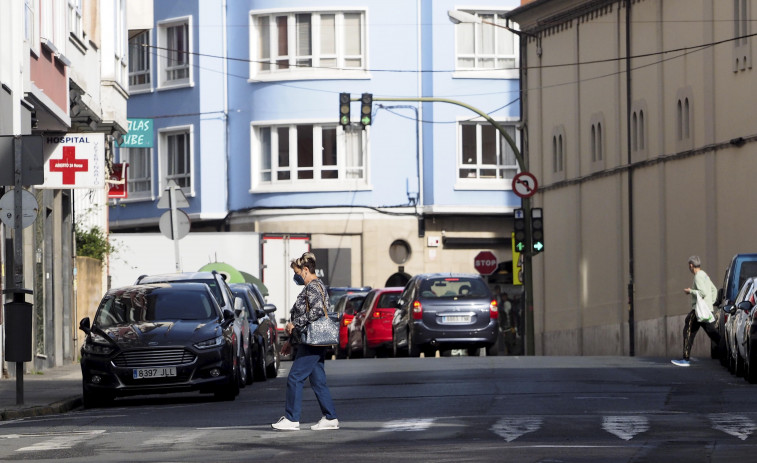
pixel 325 424
pixel 285 425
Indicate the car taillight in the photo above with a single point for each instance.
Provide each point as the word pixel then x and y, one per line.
pixel 493 312
pixel 417 310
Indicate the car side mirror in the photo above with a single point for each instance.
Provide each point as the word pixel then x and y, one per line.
pixel 746 306
pixel 729 309
pixel 399 303
pixel 85 325
pixel 269 308
pixel 228 317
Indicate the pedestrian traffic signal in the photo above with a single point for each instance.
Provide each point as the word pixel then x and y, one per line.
pixel 366 109
pixel 537 229
pixel 344 109
pixel 519 230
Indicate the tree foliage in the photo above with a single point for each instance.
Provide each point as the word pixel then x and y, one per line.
pixel 92 243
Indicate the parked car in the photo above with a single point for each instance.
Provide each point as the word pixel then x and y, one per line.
pixel 345 308
pixel 263 334
pixel 158 338
pixel 445 311
pixel 735 326
pixel 741 267
pixel 335 292
pixel 371 329
pixel 221 291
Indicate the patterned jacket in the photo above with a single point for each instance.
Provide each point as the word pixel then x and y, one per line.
pixel 317 298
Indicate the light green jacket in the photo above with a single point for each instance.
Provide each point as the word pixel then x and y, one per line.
pixel 703 286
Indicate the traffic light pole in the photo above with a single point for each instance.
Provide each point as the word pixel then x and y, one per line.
pixel 528 283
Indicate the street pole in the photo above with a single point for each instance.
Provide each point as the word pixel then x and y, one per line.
pixel 528 283
pixel 18 251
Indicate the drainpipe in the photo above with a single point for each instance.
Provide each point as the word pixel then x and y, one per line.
pixel 631 328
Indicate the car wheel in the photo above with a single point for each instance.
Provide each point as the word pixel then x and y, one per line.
pixel 751 366
pixel 739 369
pixel 248 377
pixel 367 353
pixel 394 345
pixel 229 391
pixel 242 373
pixel 260 367
pixel 412 349
pixel 473 351
pixel 92 399
pixel 348 348
pixel 272 370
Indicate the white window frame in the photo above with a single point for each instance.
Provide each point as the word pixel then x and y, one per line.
pixel 477 71
pixel 121 43
pixel 163 135
pixel 487 183
pixel 163 54
pixel 345 181
pixel 316 70
pixel 147 71
pixel 75 23
pixel 126 157
pixel 31 25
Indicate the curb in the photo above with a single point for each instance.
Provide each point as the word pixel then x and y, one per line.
pixel 53 409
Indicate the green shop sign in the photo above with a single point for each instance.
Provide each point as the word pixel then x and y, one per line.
pixel 139 134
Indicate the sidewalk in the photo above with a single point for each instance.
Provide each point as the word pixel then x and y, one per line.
pixel 54 390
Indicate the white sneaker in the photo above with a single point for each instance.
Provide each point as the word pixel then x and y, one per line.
pixel 285 425
pixel 325 424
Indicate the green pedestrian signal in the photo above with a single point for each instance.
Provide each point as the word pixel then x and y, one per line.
pixel 366 109
pixel 537 229
pixel 344 109
pixel 519 230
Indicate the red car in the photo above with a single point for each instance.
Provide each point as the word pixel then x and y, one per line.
pixel 346 307
pixel 371 328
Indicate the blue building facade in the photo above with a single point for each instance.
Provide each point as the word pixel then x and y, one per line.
pixel 243 97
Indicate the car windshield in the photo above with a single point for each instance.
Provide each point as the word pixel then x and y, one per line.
pixel 141 306
pixel 453 287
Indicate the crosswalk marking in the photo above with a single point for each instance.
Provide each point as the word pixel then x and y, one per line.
pixel 625 427
pixel 735 425
pixel 175 438
pixel 420 424
pixel 60 441
pixel 512 428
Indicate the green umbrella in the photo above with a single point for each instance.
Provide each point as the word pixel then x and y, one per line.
pixel 256 281
pixel 232 275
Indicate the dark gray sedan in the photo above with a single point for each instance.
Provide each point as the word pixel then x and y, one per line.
pixel 445 311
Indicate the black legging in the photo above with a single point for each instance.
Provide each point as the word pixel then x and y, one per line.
pixel 690 328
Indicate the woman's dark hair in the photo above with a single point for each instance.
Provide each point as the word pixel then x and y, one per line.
pixel 307 260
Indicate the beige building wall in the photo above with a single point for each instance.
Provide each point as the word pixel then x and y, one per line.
pixel 689 188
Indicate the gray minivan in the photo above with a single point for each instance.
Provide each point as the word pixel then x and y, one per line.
pixel 742 267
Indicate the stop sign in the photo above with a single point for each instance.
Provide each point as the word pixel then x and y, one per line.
pixel 485 262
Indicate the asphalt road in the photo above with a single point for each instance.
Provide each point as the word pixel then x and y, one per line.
pixel 455 409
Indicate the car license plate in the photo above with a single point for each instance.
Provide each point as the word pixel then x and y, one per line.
pixel 160 372
pixel 456 319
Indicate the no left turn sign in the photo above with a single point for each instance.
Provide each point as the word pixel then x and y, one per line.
pixel 525 184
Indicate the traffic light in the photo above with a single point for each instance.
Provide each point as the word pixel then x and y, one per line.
pixel 537 229
pixel 519 230
pixel 366 108
pixel 344 109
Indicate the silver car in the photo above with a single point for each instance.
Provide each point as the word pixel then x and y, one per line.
pixel 445 311
pixel 736 326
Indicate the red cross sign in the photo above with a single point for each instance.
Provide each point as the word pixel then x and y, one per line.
pixel 74 160
pixel 69 165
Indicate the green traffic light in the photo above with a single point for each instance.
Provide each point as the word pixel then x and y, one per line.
pixel 345 120
pixel 538 246
pixel 366 120
pixel 519 246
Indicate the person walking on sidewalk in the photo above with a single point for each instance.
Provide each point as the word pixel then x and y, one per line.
pixel 308 360
pixel 703 287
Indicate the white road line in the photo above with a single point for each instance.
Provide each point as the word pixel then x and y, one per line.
pixel 511 428
pixel 735 425
pixel 625 427
pixel 59 441
pixel 179 437
pixel 420 424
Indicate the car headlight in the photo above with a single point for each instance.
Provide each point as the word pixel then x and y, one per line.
pixel 214 342
pixel 97 345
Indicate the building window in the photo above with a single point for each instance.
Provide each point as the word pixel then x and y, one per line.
pixel 307 43
pixel 742 51
pixel 174 53
pixel 307 153
pixel 139 183
pixel 684 119
pixel 139 61
pixel 485 153
pixel 176 156
pixel 488 45
pixel 638 131
pixel 74 19
pixel 30 24
pixel 558 154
